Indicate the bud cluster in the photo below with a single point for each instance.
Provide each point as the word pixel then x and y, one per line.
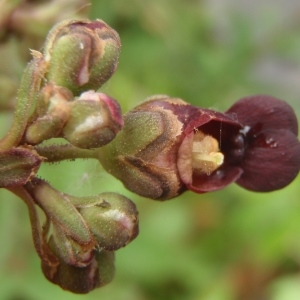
pixel 81 233
pixel 58 98
pixel 79 57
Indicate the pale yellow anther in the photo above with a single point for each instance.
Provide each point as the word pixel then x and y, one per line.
pixel 206 156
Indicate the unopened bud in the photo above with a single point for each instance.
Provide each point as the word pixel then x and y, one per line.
pixel 82 280
pixel 94 121
pixel 52 112
pixel 82 54
pixel 18 166
pixel 80 224
pixel 62 213
pixel 111 217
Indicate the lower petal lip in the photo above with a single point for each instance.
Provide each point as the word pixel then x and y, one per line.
pixel 215 181
pixel 271 162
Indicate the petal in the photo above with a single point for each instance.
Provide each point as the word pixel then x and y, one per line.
pixel 215 181
pixel 216 122
pixel 224 129
pixel 264 112
pixel 201 183
pixel 271 162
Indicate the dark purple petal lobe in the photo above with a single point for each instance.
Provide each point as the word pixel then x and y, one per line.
pixel 271 162
pixel 215 181
pixel 264 112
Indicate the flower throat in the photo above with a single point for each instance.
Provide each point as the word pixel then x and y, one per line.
pixel 206 156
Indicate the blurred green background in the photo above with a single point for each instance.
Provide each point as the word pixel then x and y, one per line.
pixel 227 245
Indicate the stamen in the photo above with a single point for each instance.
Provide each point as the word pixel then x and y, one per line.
pixel 206 156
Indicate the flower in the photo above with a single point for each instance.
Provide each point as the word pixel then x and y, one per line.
pixel 168 146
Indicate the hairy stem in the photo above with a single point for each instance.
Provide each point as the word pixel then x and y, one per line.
pixel 37 231
pixel 29 89
pixel 56 153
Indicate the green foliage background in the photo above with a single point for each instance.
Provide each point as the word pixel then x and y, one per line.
pixel 227 245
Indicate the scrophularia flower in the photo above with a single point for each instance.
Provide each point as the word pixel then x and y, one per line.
pixel 168 146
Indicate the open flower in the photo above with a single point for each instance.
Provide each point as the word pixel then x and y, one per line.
pixel 168 146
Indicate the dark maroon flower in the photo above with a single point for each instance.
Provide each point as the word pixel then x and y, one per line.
pixel 168 146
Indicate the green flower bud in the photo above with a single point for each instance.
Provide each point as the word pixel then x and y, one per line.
pixel 82 54
pixel 82 280
pixel 52 112
pixel 59 209
pixel 94 121
pixel 18 166
pixel 111 217
pixel 81 224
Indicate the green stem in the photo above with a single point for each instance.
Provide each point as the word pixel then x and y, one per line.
pixel 40 244
pixel 56 153
pixel 29 88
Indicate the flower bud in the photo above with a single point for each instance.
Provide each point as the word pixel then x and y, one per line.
pixel 82 280
pixel 52 112
pixel 79 224
pixel 94 121
pixel 59 209
pixel 82 54
pixel 111 217
pixel 18 166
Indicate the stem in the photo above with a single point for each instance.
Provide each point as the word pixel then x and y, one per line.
pixel 56 153
pixel 40 245
pixel 29 88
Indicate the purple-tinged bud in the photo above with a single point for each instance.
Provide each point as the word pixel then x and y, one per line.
pixel 111 217
pixel 18 166
pixel 82 54
pixel 82 280
pixel 52 112
pixel 94 121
